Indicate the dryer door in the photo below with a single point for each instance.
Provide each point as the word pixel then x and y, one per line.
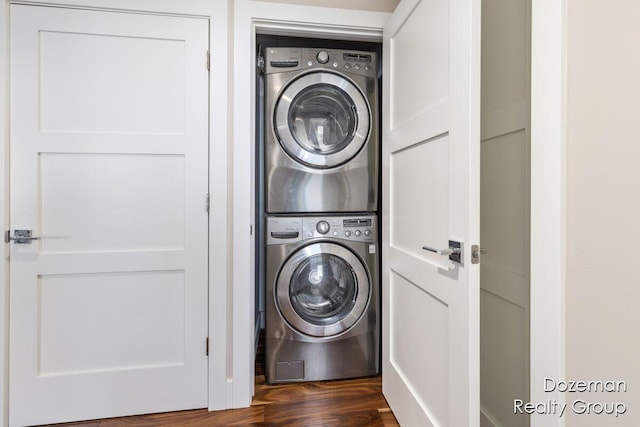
pixel 322 120
pixel 323 289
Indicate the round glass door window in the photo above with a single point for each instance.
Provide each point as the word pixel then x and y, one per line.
pixel 323 289
pixel 322 120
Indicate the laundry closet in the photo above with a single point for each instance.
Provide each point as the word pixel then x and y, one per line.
pixel 504 301
pixel 318 199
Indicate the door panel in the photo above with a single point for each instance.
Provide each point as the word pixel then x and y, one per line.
pixel 109 167
pixel 128 205
pixel 67 331
pixel 421 369
pixel 147 70
pixel 431 160
pixel 504 211
pixel 420 54
pixel 425 161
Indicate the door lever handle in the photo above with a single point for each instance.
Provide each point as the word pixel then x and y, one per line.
pixel 23 237
pixel 454 251
pixel 447 251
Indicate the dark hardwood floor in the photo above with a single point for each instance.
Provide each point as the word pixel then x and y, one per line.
pixel 347 403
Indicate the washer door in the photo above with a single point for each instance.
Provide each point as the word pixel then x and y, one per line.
pixel 322 290
pixel 322 120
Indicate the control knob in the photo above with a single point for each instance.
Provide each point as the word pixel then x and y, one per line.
pixel 322 227
pixel 322 57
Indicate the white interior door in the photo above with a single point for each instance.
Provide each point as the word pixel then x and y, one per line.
pixel 504 211
pixel 109 167
pixel 431 165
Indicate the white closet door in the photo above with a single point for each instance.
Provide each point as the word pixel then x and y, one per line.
pixel 109 168
pixel 431 165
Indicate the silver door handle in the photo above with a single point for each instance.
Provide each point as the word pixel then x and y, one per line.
pixel 447 251
pixel 454 251
pixel 23 237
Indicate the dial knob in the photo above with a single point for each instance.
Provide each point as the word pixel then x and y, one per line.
pixel 358 233
pixel 347 233
pixel 322 227
pixel 322 57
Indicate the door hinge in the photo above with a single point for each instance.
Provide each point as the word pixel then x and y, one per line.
pixel 260 64
pixel 207 347
pixel 208 202
pixel 208 60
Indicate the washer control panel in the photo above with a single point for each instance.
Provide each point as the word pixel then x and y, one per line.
pixel 281 230
pixel 279 59
pixel 355 229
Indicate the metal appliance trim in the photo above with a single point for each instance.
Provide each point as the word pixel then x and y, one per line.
pixel 283 302
pixel 288 141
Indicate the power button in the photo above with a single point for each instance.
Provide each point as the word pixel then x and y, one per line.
pixel 322 57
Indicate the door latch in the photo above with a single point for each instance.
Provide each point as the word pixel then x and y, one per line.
pixel 476 251
pixel 22 237
pixel 454 251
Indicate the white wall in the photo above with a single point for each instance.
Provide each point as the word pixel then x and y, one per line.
pixel 603 203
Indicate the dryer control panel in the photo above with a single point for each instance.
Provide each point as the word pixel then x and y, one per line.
pixel 282 230
pixel 279 59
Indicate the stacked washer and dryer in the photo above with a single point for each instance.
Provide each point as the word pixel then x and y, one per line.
pixel 321 159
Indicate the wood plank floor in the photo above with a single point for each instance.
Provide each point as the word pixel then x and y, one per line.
pixel 347 403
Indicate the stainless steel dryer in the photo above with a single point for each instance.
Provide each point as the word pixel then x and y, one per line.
pixel 322 319
pixel 321 130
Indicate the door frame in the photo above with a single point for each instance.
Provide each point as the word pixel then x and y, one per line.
pixel 251 18
pixel 547 174
pixel 548 202
pixel 217 12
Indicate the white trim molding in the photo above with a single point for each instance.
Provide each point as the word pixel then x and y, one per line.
pixel 548 211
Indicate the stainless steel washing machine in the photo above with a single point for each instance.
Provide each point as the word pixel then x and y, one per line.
pixel 321 130
pixel 322 316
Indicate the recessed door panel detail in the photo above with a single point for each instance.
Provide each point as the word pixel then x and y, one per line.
pixel 101 322
pixel 419 177
pixel 505 53
pixel 502 319
pixel 421 363
pixel 504 201
pixel 420 53
pixel 133 201
pixel 117 84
